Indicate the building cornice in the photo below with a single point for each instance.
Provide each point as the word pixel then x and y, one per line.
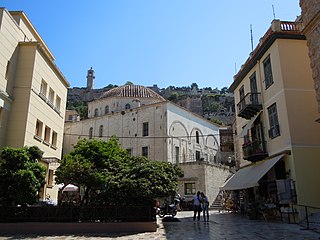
pixel 49 60
pixel 265 43
pixel 33 31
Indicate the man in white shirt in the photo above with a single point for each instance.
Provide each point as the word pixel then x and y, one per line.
pixel 196 206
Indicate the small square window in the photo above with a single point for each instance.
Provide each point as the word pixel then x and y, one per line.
pixel 43 89
pixel 38 131
pixel 129 151
pixel 189 188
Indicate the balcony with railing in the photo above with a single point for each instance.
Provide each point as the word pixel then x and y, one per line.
pixel 250 105
pixel 254 150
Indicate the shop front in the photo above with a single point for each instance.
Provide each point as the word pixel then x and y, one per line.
pixel 262 188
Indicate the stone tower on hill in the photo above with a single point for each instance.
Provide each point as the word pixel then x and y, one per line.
pixel 90 78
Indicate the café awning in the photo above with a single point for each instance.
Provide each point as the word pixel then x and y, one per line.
pixel 249 176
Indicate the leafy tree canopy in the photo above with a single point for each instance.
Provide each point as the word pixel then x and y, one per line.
pixel 129 83
pixel 173 97
pixel 194 85
pixel 224 90
pixel 80 107
pixel 111 177
pixel 21 175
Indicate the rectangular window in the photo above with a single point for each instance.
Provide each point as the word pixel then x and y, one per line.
pixel 145 129
pixel 177 155
pixel 241 93
pixel 254 89
pixel 189 188
pixel 47 131
pixel 51 97
pixel 242 103
pixel 268 78
pixel 50 178
pixel 145 152
pixel 38 131
pixel 58 104
pixel 274 130
pixel 43 89
pixel 54 139
pixel 197 155
pixel 129 151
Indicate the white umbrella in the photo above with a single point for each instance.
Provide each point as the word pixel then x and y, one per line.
pixel 70 188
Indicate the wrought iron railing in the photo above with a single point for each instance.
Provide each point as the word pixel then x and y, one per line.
pixel 248 100
pixel 310 217
pixel 77 214
pixel 254 148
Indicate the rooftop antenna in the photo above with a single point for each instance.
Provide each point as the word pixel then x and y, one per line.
pixel 235 68
pixel 251 37
pixel 274 14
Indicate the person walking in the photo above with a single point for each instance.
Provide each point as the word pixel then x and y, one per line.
pixel 196 206
pixel 205 207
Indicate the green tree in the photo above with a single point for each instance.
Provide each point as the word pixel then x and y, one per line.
pixel 216 121
pixel 129 83
pixel 21 175
pixel 80 107
pixel 173 97
pixel 194 85
pixel 224 90
pixel 111 177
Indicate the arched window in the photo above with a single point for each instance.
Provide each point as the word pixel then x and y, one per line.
pixel 106 109
pixel 197 137
pixel 90 132
pixel 128 106
pixel 101 131
pixel 96 112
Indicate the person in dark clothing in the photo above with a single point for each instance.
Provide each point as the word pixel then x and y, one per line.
pixel 196 206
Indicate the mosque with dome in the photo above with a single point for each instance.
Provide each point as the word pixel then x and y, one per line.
pixel 148 125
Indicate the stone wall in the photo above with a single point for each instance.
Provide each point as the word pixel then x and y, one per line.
pixel 311 20
pixel 207 178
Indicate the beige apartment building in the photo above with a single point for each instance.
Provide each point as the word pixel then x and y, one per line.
pixel 277 139
pixel 32 94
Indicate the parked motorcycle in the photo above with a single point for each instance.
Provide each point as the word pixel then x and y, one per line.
pixel 167 209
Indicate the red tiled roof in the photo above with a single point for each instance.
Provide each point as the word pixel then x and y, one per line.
pixel 134 91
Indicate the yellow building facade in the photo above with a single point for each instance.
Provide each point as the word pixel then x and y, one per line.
pixel 275 125
pixel 33 94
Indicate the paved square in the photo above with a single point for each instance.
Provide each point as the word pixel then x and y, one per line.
pixel 222 226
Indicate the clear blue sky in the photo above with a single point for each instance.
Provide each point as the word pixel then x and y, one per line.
pixel 164 42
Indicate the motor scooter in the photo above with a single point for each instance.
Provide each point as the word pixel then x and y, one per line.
pixel 167 209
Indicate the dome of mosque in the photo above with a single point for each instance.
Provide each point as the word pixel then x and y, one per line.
pixel 132 91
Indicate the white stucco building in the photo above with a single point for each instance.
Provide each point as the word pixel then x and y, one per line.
pixel 148 125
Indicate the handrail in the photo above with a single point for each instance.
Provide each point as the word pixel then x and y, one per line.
pixel 308 214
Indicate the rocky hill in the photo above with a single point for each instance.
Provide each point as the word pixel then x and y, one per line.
pixel 213 104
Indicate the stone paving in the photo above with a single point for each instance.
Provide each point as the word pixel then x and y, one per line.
pixel 223 226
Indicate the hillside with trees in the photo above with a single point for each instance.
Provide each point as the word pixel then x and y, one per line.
pixel 213 104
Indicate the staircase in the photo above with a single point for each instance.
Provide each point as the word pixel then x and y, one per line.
pixel 217 203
